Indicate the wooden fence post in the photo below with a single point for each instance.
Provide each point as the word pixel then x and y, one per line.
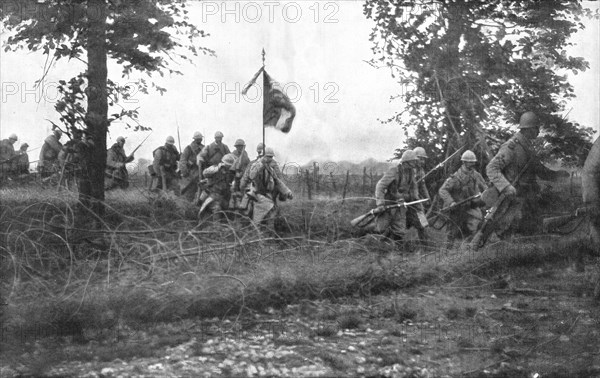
pixel 345 186
pixel 364 186
pixel 308 190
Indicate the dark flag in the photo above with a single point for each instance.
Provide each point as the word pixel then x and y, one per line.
pixel 278 110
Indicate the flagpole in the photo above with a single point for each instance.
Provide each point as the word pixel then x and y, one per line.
pixel 264 97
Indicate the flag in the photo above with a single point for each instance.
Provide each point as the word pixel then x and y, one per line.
pixel 278 110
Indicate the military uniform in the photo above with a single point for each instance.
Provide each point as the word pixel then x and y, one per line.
pixel 397 184
pixel 267 189
pixel 48 159
pixel 116 172
pixel 165 163
pixel 212 154
pixel 7 156
pixel 188 167
pixel 516 156
pixel 461 185
pixel 218 187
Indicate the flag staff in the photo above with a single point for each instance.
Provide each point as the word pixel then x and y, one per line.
pixel 264 97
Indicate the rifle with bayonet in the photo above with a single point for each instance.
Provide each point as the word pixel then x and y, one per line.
pixel 367 218
pixel 454 206
pixel 140 145
pixel 554 224
pixel 440 165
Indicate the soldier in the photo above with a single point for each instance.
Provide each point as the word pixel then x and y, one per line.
pixel 213 153
pixel 22 160
pixel 242 161
pixel 397 184
pixel 267 189
pixel 48 160
pixel 219 178
pixel 116 173
pixel 413 217
pixel 463 184
pixel 188 167
pixel 164 166
pixel 7 155
pixel 513 173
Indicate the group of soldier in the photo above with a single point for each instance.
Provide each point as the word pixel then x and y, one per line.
pixel 13 163
pixel 216 179
pixel 510 198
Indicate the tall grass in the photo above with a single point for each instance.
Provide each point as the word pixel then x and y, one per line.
pixel 151 260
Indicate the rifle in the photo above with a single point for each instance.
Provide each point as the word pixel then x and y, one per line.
pixel 140 145
pixel 178 139
pixel 456 205
pixel 440 165
pixel 554 223
pixel 365 219
pixel 485 230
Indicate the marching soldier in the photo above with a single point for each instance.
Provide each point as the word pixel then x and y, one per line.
pixel 267 189
pixel 397 184
pixel 164 166
pixel 219 178
pixel 188 167
pixel 513 173
pixel 22 160
pixel 212 153
pixel 416 214
pixel 464 184
pixel 68 159
pixel 48 160
pixel 116 172
pixel 7 155
pixel 242 161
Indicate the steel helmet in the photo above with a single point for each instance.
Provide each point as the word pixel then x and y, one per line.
pixel 57 133
pixel 260 147
pixel 408 155
pixel 120 139
pixel 13 137
pixel 420 152
pixel 469 155
pixel 239 142
pixel 528 120
pixel 218 134
pixel 24 145
pixel 228 160
pixel 198 135
pixel 269 152
pixel 170 140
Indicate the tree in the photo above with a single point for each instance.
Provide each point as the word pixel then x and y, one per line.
pixel 141 35
pixel 469 68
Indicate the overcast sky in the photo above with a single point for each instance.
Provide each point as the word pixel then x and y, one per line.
pixel 318 49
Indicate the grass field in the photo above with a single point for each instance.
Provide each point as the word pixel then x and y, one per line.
pixel 152 270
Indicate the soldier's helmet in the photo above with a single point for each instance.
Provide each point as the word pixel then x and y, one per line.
pixel 239 142
pixel 228 160
pixel 13 137
pixel 198 135
pixel 269 152
pixel 218 134
pixel 120 139
pixel 408 155
pixel 170 140
pixel 57 133
pixel 24 146
pixel 528 120
pixel 469 156
pixel 420 151
pixel 260 147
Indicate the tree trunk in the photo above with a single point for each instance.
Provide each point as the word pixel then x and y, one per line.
pixel 97 111
pixel 590 182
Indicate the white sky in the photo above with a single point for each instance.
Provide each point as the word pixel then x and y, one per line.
pixel 339 101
